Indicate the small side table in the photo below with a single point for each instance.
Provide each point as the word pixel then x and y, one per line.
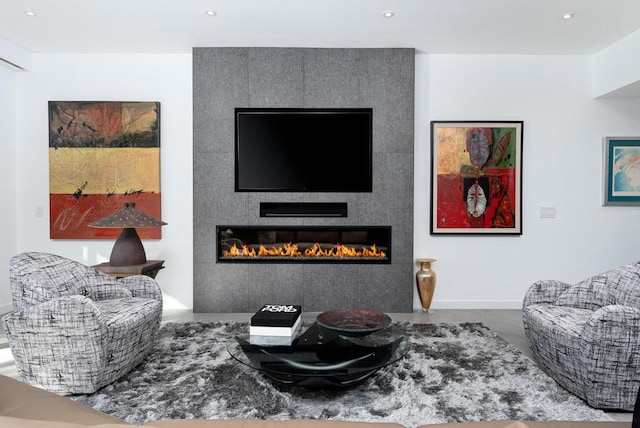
pixel 150 269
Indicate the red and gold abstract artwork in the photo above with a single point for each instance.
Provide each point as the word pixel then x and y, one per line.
pixel 476 177
pixel 102 154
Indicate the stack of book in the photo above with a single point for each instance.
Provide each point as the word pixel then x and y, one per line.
pixel 275 324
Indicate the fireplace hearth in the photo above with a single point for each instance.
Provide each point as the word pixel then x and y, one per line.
pixel 303 244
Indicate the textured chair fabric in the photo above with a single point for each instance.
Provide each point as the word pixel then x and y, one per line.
pixel 635 421
pixel 74 329
pixel 586 336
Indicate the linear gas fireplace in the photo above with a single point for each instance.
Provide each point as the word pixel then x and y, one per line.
pixel 303 244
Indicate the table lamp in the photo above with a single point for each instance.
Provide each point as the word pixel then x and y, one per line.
pixel 128 249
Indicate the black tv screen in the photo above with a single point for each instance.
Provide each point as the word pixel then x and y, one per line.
pixel 303 150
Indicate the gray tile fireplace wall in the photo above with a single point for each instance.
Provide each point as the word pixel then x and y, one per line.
pixel 226 78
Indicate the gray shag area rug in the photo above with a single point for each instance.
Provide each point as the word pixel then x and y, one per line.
pixel 453 373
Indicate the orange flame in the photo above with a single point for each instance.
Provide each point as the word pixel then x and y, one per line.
pixel 291 250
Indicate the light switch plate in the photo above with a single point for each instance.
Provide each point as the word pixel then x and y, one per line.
pixel 547 212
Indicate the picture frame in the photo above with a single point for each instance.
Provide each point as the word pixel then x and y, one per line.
pixel 621 171
pixel 101 155
pixel 476 177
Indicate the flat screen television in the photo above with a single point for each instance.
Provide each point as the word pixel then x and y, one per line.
pixel 303 150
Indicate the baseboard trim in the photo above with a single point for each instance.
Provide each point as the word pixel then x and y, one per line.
pixel 476 304
pixel 5 309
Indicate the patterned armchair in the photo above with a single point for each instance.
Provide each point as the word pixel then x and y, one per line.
pixel 586 336
pixel 74 329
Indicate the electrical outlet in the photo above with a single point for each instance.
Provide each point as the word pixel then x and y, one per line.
pixel 547 212
pixel 39 211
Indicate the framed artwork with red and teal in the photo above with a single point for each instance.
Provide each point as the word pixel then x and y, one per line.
pixel 101 155
pixel 476 177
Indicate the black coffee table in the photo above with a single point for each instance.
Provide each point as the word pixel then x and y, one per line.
pixel 322 358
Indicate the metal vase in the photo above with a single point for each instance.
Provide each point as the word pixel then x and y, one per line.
pixel 426 282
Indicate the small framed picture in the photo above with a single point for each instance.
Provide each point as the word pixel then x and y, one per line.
pixel 621 171
pixel 476 177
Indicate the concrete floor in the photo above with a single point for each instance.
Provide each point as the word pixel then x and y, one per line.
pixel 505 322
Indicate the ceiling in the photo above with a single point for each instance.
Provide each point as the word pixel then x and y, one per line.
pixel 430 26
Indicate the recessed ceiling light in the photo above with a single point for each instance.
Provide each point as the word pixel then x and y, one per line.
pixel 29 13
pixel 388 14
pixel 567 15
pixel 210 12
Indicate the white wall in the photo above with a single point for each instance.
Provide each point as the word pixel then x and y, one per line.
pixel 562 168
pixel 163 78
pixel 616 69
pixel 8 237
pixel 563 131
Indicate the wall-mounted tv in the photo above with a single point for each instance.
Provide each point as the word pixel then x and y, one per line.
pixel 303 150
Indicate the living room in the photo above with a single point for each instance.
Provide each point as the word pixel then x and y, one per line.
pixel 562 100
pixel 568 103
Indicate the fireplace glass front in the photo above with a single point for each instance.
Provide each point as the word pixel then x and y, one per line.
pixel 303 244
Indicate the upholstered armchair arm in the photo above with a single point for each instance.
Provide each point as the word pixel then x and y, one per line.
pixel 142 286
pixel 545 291
pixel 62 314
pixel 63 334
pixel 614 325
pixel 610 351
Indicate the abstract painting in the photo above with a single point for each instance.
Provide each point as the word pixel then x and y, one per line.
pixel 476 177
pixel 621 171
pixel 102 154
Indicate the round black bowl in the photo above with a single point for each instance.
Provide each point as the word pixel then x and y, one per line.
pixel 353 322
